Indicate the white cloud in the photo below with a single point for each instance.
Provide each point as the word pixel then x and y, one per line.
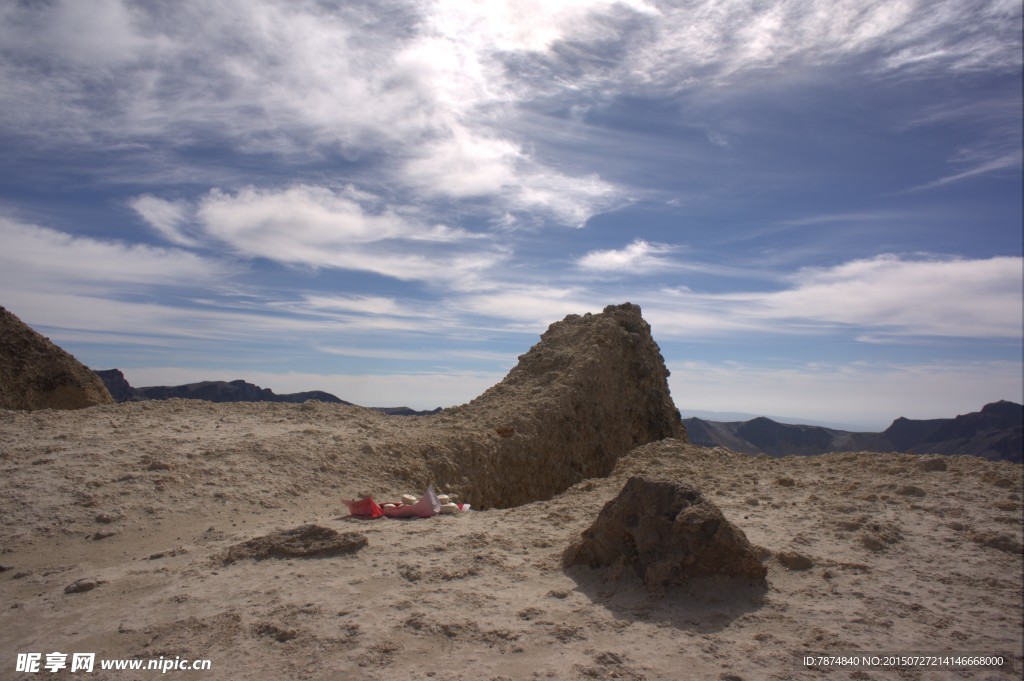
pixel 874 299
pixel 937 297
pixel 639 257
pixel 39 258
pixel 320 227
pixel 463 165
pixel 276 221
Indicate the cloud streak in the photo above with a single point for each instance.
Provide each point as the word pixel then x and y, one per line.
pixel 873 297
pixel 638 258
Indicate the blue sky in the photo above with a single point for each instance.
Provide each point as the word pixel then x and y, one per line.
pixel 816 203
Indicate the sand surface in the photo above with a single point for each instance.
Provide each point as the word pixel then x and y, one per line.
pixel 142 501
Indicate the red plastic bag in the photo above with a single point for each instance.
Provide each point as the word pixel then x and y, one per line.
pixel 363 508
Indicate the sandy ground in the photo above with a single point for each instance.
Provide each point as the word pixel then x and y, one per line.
pixel 143 500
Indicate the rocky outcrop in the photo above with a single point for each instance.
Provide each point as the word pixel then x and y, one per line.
pixel 118 386
pixel 668 533
pixel 996 432
pixel 37 374
pixel 592 389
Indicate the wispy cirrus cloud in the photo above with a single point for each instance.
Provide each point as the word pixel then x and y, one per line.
pixel 435 96
pixel 722 41
pixel 977 163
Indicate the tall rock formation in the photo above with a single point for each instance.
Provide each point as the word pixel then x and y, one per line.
pixel 37 374
pixel 592 389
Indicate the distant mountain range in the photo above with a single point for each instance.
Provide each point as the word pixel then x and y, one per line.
pixel 993 433
pixel 224 391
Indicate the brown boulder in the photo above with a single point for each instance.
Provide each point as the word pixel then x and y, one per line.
pixel 37 374
pixel 668 532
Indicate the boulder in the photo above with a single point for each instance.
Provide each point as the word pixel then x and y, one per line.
pixel 37 374
pixel 668 532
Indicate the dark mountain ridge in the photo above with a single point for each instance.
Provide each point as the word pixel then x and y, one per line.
pixel 223 391
pixel 993 433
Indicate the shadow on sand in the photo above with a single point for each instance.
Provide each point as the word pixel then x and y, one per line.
pixel 703 605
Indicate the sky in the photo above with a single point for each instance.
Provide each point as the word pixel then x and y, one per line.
pixel 816 203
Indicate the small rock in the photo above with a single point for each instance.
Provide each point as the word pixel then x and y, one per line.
pixel 871 542
pixel 275 632
pixel 851 525
pixel 878 536
pixel 1001 542
pixel 794 561
pixel 933 463
pixel 410 573
pixel 609 658
pixel 785 482
pixel 83 585
pixel 910 491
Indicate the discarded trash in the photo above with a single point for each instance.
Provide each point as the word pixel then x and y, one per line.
pixel 430 504
pixel 363 508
